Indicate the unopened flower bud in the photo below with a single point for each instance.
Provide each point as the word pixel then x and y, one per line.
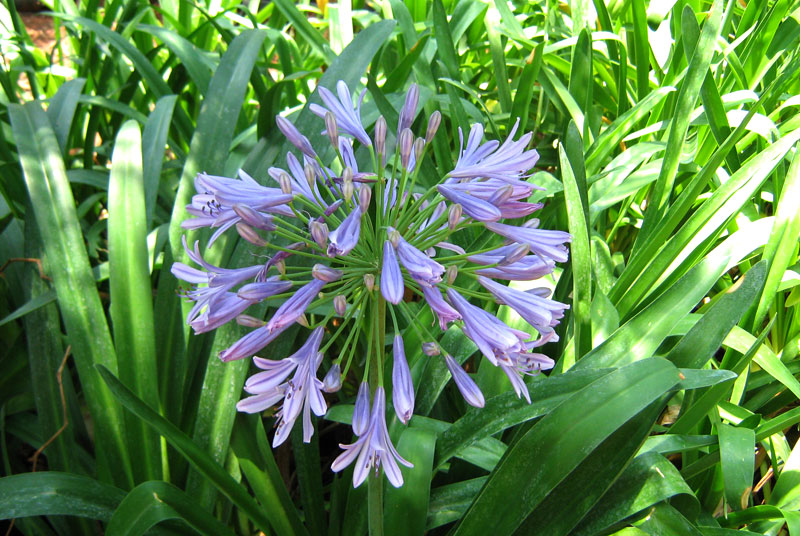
pixel 361 410
pixel 364 197
pixel 430 348
pixel 311 175
pixel 520 251
pixel 294 136
pixel 453 216
pixel 250 234
pixel 369 282
pixel 405 144
pixel 409 109
pixel 501 195
pixel 532 223
pixel 332 381
pixel 254 218
pixel 330 128
pixel 333 207
pixel 433 125
pixel 319 232
pixel 419 146
pixel 340 305
pixel 286 183
pixel 280 266
pixel 249 321
pixel 394 237
pixel 347 180
pixel 380 136
pixel 303 321
pixel 451 273
pixel 325 273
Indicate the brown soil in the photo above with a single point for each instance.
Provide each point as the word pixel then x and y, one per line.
pixel 40 28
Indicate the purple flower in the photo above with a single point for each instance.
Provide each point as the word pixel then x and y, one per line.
pixel 423 269
pixel 261 290
pixel 345 237
pixel 294 307
pixel 392 286
pixel 492 336
pixel 443 310
pixel 469 389
pixel 211 299
pixel 361 410
pixel 347 119
pixel 373 449
pixel 544 242
pixel 473 207
pixel 297 179
pixel 409 109
pixel 402 385
pixel 294 136
pixel 302 393
pixel 251 343
pixel 507 162
pixel 541 313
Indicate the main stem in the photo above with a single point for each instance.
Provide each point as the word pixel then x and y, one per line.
pixel 375 481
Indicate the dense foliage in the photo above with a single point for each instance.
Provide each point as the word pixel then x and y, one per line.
pixel 668 133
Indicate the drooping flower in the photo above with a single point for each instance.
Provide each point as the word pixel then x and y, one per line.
pixel 373 449
pixel 328 240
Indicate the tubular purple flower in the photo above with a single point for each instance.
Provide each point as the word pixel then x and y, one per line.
pixel 409 109
pixel 332 381
pixel 326 273
pixel 250 343
pixel 345 237
pixel 361 410
pixel 466 385
pixel 541 313
pixel 474 207
pixel 261 290
pixel 507 162
pixel 347 118
pixel 547 243
pixel 295 306
pixel 226 307
pixel 443 311
pixel 492 336
pixel 373 449
pixel 297 180
pixel 423 269
pixel 392 286
pixel 402 385
pixel 295 137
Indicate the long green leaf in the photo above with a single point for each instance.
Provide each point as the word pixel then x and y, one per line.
pixel 68 265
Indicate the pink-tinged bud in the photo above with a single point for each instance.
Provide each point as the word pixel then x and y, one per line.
pixel 419 147
pixel 364 197
pixel 330 129
pixel 285 183
pixel 430 348
pixel 469 389
pixel 402 384
pixel 294 136
pixel 280 266
pixel 254 218
pixel 303 321
pixel 340 305
pixel 250 234
pixel 369 282
pixel 332 381
pixel 405 145
pixel 394 237
pixel 453 216
pixel 451 273
pixel 310 174
pixel 249 321
pixel 380 136
pixel 433 125
pixel 348 189
pixel 361 410
pixel 519 252
pixel 532 223
pixel 319 232
pixel 325 273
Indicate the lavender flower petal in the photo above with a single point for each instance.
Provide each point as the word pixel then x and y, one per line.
pixel 402 385
pixel 345 237
pixel 544 242
pixel 469 389
pixel 295 306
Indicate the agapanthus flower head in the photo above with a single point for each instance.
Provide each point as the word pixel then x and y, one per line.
pixel 361 255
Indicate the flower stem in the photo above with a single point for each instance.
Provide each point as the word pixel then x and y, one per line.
pixel 375 503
